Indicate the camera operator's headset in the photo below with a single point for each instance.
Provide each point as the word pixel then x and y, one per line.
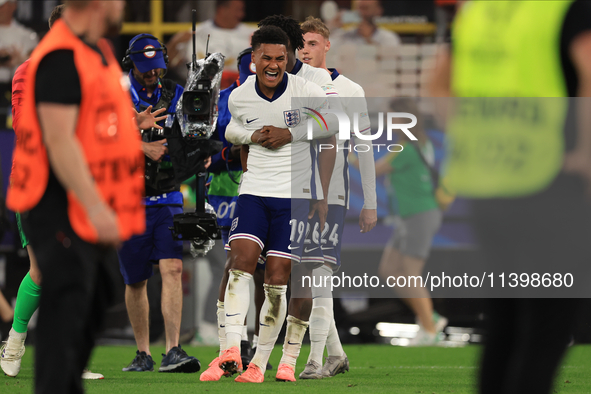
pixel 127 63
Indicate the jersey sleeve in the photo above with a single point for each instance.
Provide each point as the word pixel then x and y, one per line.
pixel 323 123
pixel 367 167
pixel 236 133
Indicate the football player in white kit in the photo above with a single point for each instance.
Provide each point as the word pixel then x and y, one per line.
pixel 275 195
pixel 323 331
pixel 272 138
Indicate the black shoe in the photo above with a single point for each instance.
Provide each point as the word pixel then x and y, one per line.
pixel 141 362
pixel 176 360
pixel 269 366
pixel 246 353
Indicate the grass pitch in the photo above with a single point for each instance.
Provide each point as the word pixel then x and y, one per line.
pixel 374 369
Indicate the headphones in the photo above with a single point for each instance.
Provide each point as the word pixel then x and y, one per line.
pixel 127 63
pixel 247 51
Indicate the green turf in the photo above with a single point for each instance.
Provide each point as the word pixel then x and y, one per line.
pixel 374 369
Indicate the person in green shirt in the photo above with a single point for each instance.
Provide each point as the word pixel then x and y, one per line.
pixel 418 218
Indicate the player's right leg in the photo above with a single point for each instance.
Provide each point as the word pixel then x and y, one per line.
pixel 248 233
pixel 320 320
pixel 323 331
pixel 214 372
pixel 244 255
pixel 136 268
pixel 27 302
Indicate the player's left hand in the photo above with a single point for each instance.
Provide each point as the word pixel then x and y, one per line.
pixel 274 137
pixel 147 119
pixel 368 219
pixel 320 206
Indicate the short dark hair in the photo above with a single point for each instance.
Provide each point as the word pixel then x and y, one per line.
pixel 290 26
pixel 268 35
pixel 77 4
pixel 56 14
pixel 221 3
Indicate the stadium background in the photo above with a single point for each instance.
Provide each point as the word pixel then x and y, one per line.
pixel 400 72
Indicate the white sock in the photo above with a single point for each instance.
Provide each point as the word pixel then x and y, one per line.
pixel 271 320
pixel 320 319
pixel 333 342
pixel 255 341
pixel 245 333
pixel 236 302
pixel 221 325
pixel 296 329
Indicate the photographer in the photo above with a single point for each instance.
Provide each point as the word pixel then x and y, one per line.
pixel 147 59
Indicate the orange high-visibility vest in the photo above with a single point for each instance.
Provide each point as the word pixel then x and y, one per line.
pixel 105 130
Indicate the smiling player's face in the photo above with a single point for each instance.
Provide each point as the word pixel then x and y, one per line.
pixel 314 51
pixel 270 61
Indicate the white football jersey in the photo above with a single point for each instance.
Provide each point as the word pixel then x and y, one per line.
pixel 352 98
pixel 290 171
pixel 319 76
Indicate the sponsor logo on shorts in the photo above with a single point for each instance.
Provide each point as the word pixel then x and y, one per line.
pixel 234 224
pixel 306 250
pixel 292 247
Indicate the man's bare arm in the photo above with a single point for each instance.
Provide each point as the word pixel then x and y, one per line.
pixel 579 160
pixel 58 122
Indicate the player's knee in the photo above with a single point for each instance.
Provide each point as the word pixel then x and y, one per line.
pixel 134 287
pixel 171 268
pixel 277 279
pixel 242 263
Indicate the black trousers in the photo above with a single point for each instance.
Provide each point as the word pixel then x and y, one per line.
pixel 528 333
pixel 79 279
pixel 526 341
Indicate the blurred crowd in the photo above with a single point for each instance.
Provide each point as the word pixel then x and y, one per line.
pixel 384 62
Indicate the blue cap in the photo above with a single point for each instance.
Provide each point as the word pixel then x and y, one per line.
pixel 148 60
pixel 246 67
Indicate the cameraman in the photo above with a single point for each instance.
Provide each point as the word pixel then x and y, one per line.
pixel 147 60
